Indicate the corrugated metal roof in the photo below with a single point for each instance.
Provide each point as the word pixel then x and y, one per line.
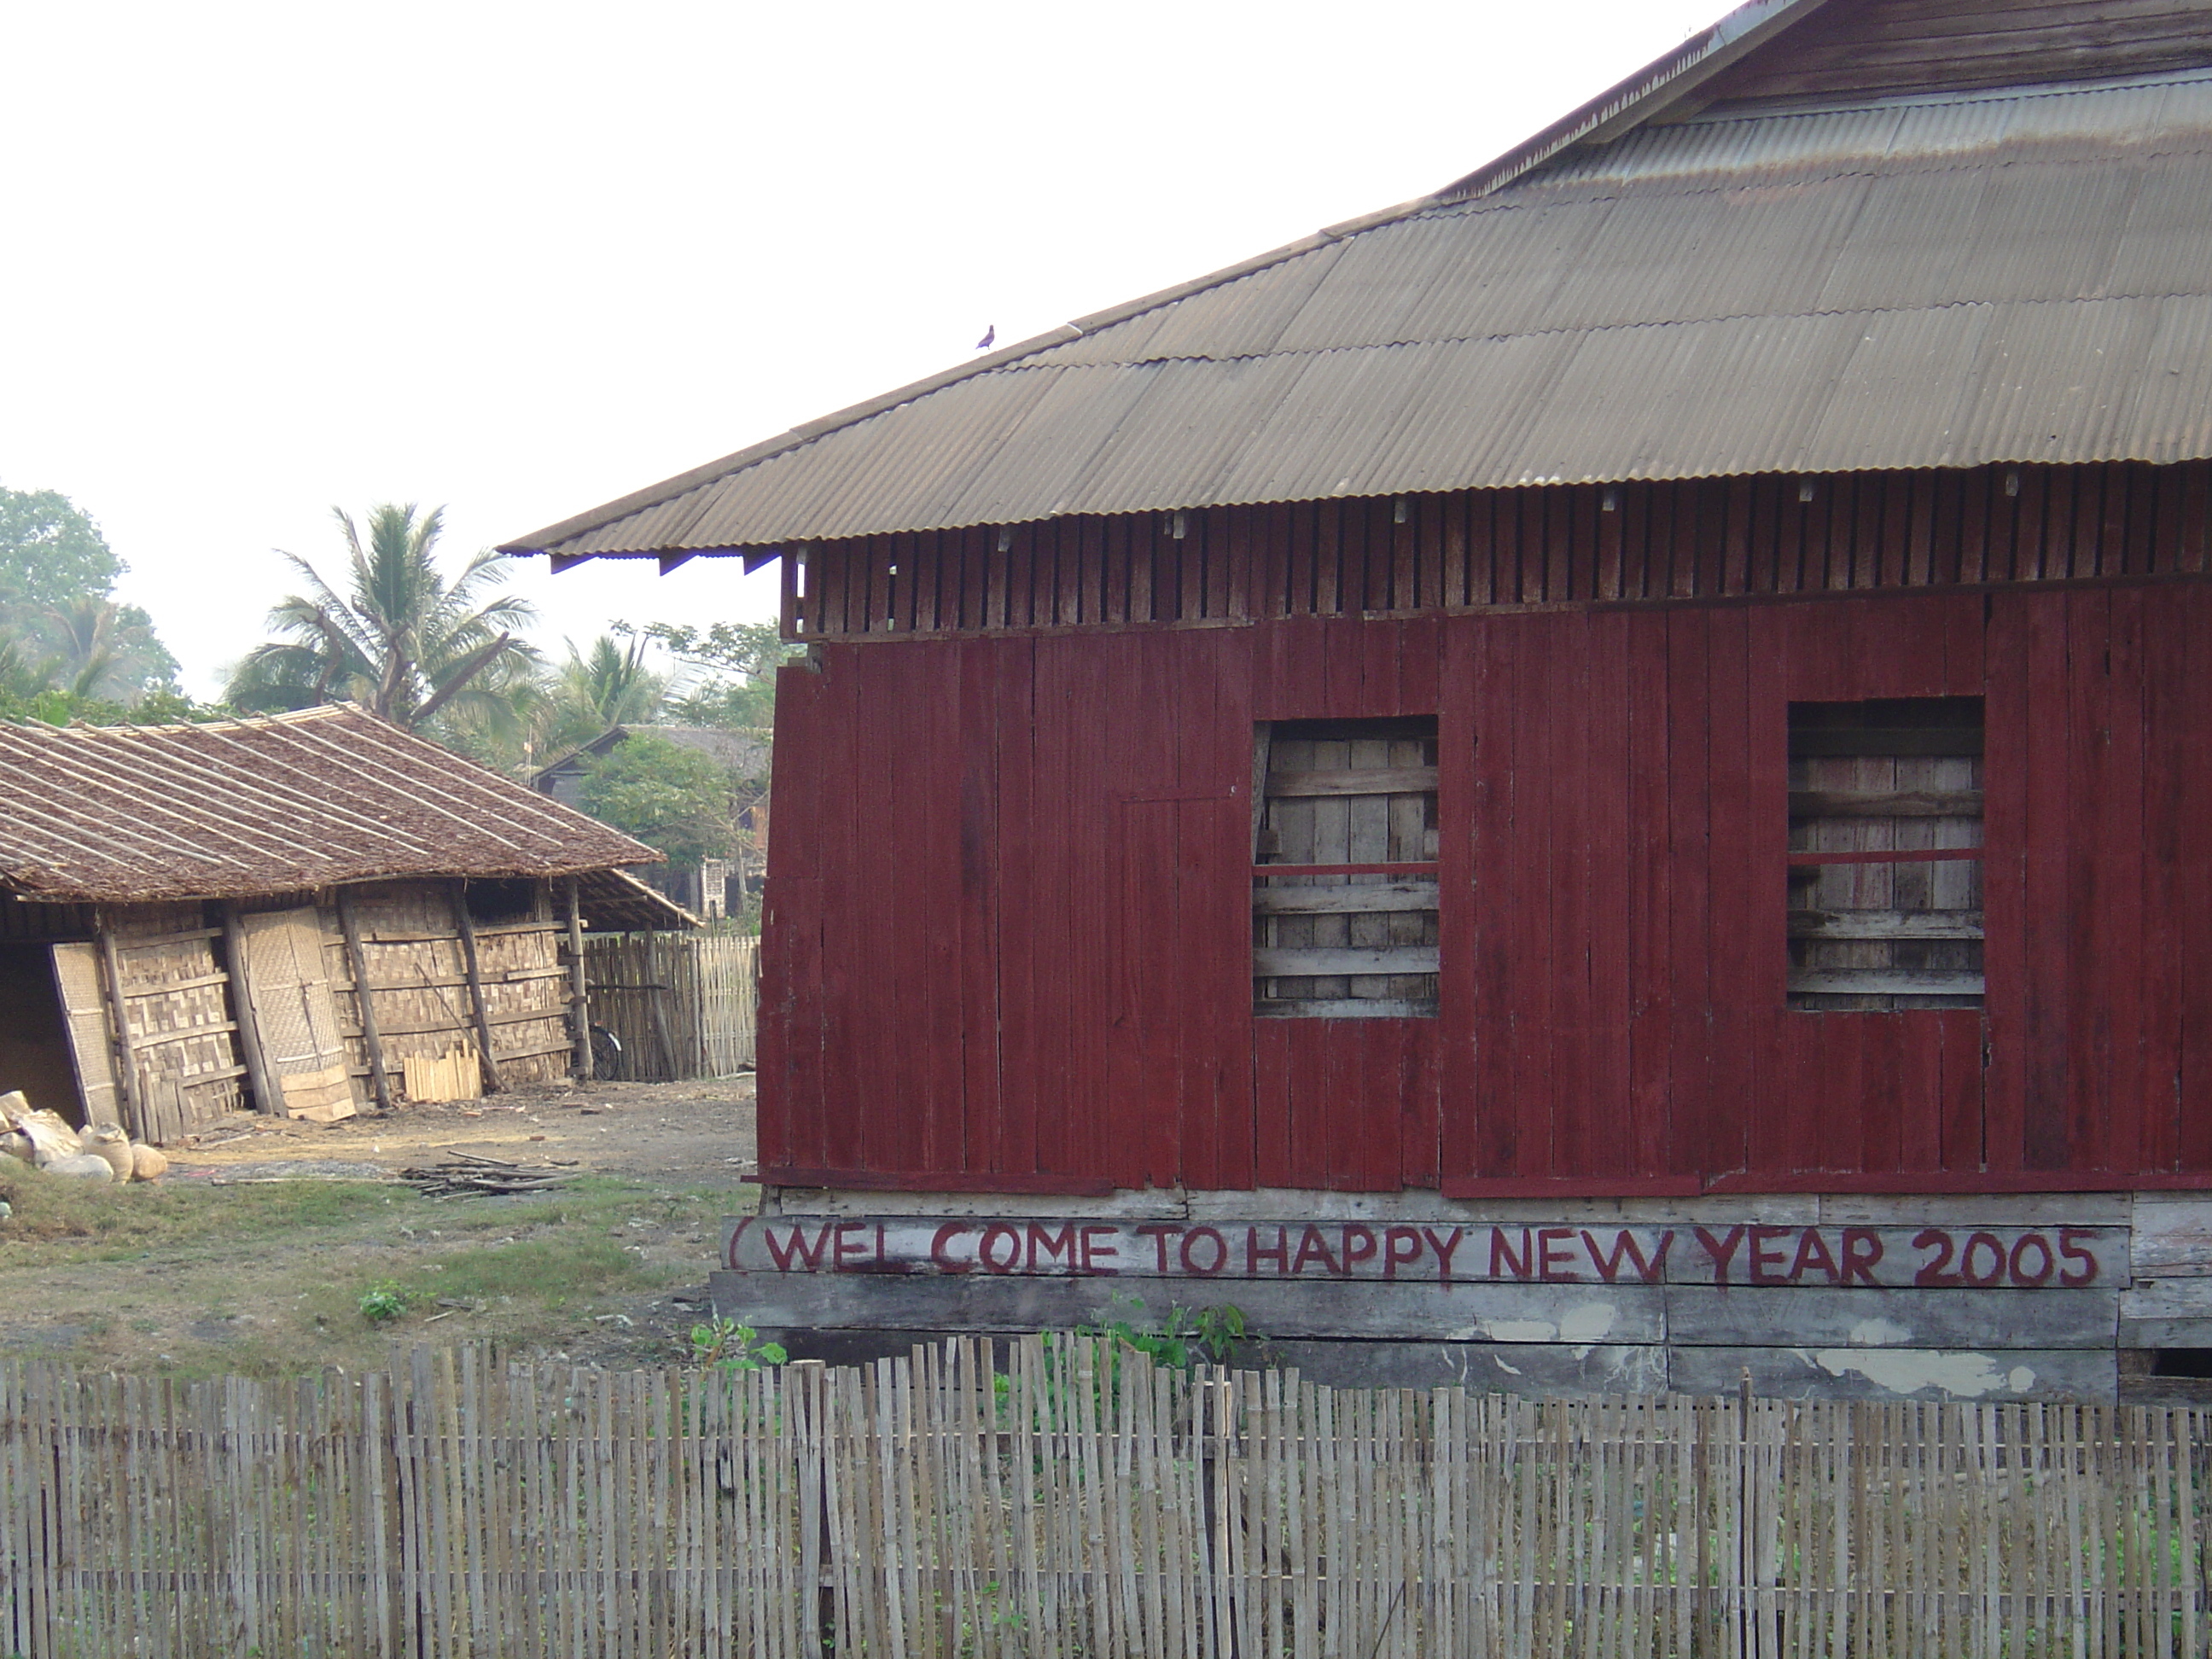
pixel 125 814
pixel 1950 280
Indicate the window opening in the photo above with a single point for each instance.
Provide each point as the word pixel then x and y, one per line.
pixel 1344 852
pixel 500 898
pixel 1886 855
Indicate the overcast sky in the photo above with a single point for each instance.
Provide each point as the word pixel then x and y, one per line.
pixel 519 259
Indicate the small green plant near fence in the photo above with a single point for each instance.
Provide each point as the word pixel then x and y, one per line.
pixel 384 1302
pixel 724 1345
pixel 1184 1337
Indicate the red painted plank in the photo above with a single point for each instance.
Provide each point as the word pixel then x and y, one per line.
pixel 1609 996
pixel 1461 735
pixel 2188 735
pixel 1527 986
pixel 1228 996
pixel 1746 975
pixel 2124 951
pixel 982 889
pixel 1419 1162
pixel 2006 962
pixel 1023 901
pixel 1411 868
pixel 1889 855
pixel 2092 879
pixel 1570 1029
pixel 1648 863
pixel 1271 1164
pixel 1495 841
pixel 1697 1137
pixel 2046 825
pixel 1963 1087
pixel 1781 1132
pixel 1879 1084
pixel 850 981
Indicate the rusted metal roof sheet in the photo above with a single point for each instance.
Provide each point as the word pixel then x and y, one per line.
pixel 125 814
pixel 1948 279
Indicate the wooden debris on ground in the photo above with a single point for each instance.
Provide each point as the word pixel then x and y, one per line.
pixel 463 1174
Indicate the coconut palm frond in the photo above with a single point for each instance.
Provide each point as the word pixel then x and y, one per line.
pixel 402 639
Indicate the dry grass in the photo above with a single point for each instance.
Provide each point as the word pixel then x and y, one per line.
pixel 269 1279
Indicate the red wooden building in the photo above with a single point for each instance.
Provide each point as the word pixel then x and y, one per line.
pixel 1591 781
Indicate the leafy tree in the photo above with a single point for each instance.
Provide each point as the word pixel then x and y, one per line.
pixel 51 552
pixel 404 640
pixel 57 579
pixel 674 799
pixel 737 663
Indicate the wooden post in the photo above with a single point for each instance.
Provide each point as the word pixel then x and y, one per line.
pixel 134 1095
pixel 357 963
pixel 469 965
pixel 579 1008
pixel 268 1094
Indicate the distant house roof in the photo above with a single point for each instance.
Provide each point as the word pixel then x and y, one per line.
pixel 742 752
pixel 235 808
pixel 1904 234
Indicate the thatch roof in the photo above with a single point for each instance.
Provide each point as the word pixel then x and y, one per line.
pixel 287 804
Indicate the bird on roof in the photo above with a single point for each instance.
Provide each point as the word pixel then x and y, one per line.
pixel 990 338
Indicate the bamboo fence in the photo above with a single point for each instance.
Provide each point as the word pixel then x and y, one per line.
pixel 681 1006
pixel 1076 1501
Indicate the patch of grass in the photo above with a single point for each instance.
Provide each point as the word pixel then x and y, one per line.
pixel 58 1221
pixel 286 1265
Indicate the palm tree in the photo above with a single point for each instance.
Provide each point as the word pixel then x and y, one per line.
pixel 403 641
pixel 609 685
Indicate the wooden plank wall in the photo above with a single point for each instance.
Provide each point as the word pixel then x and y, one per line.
pixel 1700 539
pixel 1058 999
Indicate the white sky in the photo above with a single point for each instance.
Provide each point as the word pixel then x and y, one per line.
pixel 522 258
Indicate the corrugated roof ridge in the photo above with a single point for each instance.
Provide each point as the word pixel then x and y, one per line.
pixel 1760 109
pixel 1613 328
pixel 1629 103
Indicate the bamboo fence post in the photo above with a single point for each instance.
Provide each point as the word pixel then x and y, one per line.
pixel 365 996
pixel 470 966
pixel 268 1097
pixel 134 1094
pixel 579 1008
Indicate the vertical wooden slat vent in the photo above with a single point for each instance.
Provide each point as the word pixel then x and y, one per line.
pixel 1344 892
pixel 1885 854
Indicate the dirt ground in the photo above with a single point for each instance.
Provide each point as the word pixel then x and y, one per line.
pixel 257 1251
pixel 686 1135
